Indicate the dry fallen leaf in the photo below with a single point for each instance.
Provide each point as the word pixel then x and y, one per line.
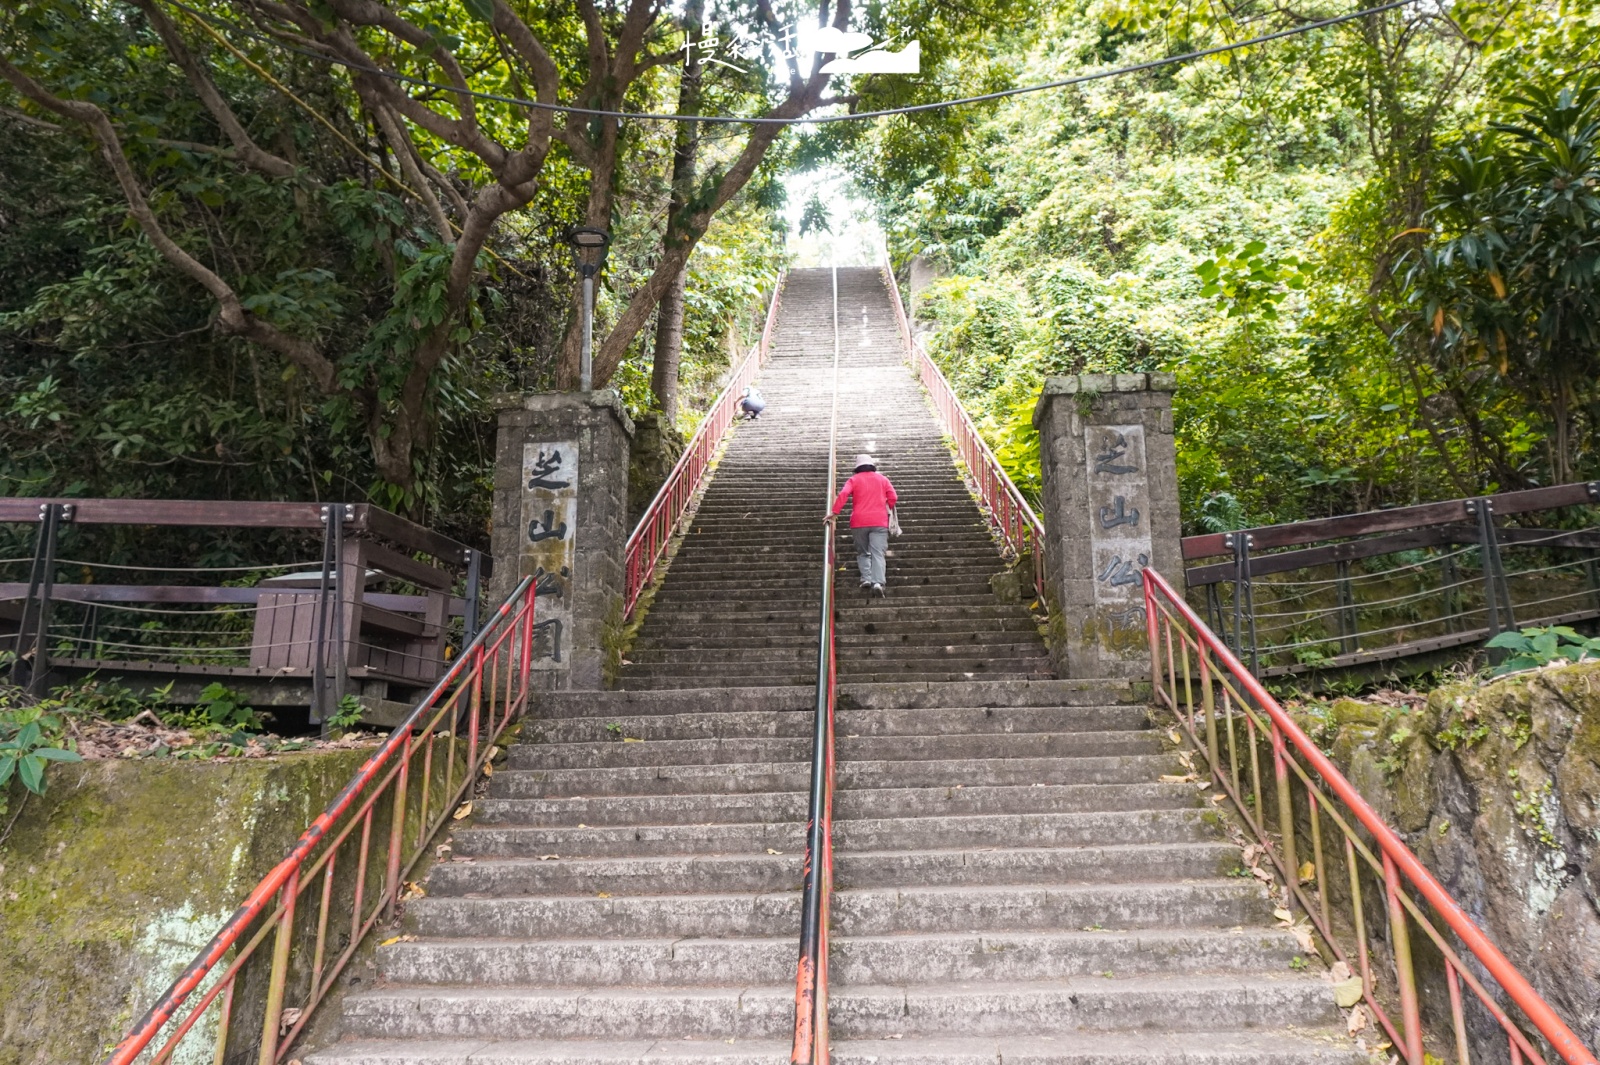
pixel 548 857
pixel 1283 915
pixel 771 851
pixel 1261 874
pixel 1308 873
pixel 411 890
pixel 1357 1021
pixel 602 894
pixel 1302 935
pixel 631 739
pixel 1347 993
pixel 1339 971
pixel 288 1019
pixel 462 811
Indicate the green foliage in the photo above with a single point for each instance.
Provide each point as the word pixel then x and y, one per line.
pixel 1243 222
pixel 1511 280
pixel 30 740
pixel 1247 283
pixel 347 714
pixel 219 710
pixel 1535 647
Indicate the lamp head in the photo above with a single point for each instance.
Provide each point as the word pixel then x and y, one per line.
pixel 585 238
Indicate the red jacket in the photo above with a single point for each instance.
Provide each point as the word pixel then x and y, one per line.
pixel 873 495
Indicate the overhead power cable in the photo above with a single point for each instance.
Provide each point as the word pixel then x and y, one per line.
pixel 860 116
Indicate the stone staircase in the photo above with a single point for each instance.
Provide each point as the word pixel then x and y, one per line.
pixel 1014 881
pixel 740 604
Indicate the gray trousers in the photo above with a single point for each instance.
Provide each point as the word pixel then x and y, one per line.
pixel 872 543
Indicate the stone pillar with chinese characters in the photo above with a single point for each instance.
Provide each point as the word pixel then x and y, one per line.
pixel 561 516
pixel 1110 509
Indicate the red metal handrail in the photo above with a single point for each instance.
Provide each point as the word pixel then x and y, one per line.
pixel 650 537
pixel 811 974
pixel 493 667
pixel 1008 513
pixel 1251 718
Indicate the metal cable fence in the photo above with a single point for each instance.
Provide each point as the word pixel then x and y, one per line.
pixel 1464 571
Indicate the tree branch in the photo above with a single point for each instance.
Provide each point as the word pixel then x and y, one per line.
pixel 546 77
pixel 405 153
pixel 245 148
pixel 676 254
pixel 232 317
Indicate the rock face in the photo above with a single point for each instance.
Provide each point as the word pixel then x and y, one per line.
pixel 1497 788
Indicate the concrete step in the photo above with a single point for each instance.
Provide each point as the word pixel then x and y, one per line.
pixel 977 647
pixel 735 778
pixel 750 612
pixel 748 588
pixel 1220 904
pixel 902 959
pixel 790 806
pixel 647 677
pixel 1190 1002
pixel 848 748
pixel 713 874
pixel 1096 828
pixel 1243 1047
pixel 1009 620
pixel 896 696
pixel 847 723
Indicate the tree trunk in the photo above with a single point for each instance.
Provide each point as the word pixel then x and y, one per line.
pixel 669 317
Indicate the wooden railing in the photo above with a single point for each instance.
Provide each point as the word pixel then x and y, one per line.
pixel 377 606
pixel 1367 588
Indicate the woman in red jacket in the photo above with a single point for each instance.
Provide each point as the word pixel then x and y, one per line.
pixel 872 498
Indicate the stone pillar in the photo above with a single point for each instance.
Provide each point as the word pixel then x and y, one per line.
pixel 561 515
pixel 1110 509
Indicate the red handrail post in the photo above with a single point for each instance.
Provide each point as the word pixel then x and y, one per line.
pixel 277 982
pixel 1405 974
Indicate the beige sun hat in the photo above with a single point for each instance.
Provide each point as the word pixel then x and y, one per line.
pixel 864 459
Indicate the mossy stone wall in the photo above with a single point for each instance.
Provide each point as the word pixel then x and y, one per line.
pixel 122 871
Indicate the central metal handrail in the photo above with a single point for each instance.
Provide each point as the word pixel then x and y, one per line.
pixel 811 977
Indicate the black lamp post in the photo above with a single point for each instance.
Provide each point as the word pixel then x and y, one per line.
pixel 589 246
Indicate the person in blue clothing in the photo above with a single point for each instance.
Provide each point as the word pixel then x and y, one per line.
pixel 752 404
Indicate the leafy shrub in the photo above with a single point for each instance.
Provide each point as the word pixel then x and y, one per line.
pixel 219 709
pixel 347 713
pixel 1536 647
pixel 30 740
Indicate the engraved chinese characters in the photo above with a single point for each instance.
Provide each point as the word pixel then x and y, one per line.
pixel 548 552
pixel 1119 499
